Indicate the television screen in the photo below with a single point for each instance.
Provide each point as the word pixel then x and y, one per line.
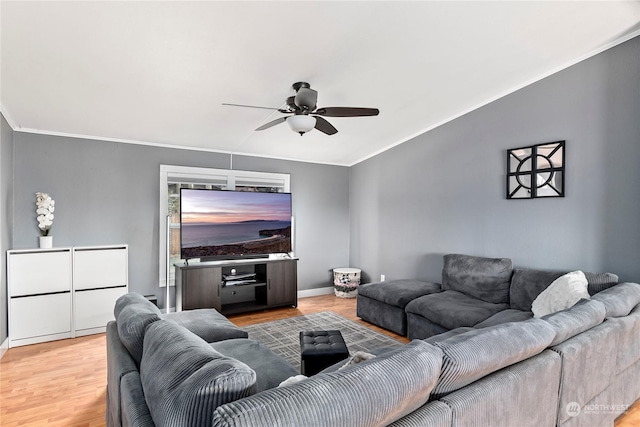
pixel 216 223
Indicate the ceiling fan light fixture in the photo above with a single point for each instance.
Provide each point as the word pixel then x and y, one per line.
pixel 301 123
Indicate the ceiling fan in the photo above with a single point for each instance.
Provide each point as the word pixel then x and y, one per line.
pixel 304 114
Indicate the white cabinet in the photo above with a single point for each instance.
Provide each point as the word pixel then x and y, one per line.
pixel 99 279
pixel 103 267
pixel 39 272
pixel 40 318
pixel 94 309
pixel 39 292
pixel 63 292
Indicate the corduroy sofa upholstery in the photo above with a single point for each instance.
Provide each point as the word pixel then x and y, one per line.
pixel 159 350
pixel 576 367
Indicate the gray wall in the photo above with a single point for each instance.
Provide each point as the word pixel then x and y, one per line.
pixel 320 195
pixel 108 193
pixel 443 191
pixel 6 232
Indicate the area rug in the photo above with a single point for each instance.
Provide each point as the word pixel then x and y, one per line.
pixel 282 336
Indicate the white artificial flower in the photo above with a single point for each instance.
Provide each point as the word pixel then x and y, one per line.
pixel 45 207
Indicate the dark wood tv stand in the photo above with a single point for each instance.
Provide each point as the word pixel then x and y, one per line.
pixel 201 285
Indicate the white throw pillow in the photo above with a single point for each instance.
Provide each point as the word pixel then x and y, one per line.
pixel 358 356
pixel 292 380
pixel 563 293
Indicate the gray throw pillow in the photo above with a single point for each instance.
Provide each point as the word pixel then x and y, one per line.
pixel 600 281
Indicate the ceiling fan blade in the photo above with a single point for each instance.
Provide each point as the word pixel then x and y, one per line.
pixel 346 112
pixel 272 123
pixel 324 126
pixel 249 106
pixel 306 98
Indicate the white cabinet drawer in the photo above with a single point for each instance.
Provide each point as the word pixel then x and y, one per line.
pixel 39 272
pixel 39 316
pixel 99 268
pixel 94 308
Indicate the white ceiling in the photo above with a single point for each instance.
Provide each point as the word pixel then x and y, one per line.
pixel 157 72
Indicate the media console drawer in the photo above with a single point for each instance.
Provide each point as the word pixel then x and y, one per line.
pixel 236 294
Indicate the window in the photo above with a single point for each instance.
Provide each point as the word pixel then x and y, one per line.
pixel 173 178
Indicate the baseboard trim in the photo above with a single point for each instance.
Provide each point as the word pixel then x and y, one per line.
pixel 4 347
pixel 315 292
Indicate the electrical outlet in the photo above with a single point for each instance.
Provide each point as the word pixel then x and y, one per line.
pixel 382 277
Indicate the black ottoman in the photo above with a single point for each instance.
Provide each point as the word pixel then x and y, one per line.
pixel 320 349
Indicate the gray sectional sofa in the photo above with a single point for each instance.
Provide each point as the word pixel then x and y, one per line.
pixel 576 367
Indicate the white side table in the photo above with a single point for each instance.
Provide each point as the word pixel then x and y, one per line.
pixel 346 281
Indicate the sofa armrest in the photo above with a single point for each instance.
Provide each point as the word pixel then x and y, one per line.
pixel 135 412
pixel 206 323
pixel 119 363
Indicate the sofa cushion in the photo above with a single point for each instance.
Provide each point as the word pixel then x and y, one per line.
pixel 526 285
pixel 184 379
pixel 446 335
pixel 134 298
pixel 584 315
pixel 487 279
pixel 628 351
pixel 206 323
pixel 398 292
pixel 372 393
pixel 524 394
pixel 132 323
pixel 505 316
pixel 432 414
pixel 270 368
pixel 591 354
pixel 474 354
pixel 453 309
pixel 620 299
pixel 562 293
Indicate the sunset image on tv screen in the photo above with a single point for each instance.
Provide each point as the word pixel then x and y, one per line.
pixel 216 223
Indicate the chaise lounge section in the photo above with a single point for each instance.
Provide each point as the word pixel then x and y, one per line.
pixel 384 303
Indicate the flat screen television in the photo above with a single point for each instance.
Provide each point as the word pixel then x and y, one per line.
pixel 218 224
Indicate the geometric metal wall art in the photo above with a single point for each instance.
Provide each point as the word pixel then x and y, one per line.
pixel 536 171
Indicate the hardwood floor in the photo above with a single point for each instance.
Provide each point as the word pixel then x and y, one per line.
pixel 63 383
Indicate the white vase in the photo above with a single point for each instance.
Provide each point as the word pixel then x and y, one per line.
pixel 46 242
